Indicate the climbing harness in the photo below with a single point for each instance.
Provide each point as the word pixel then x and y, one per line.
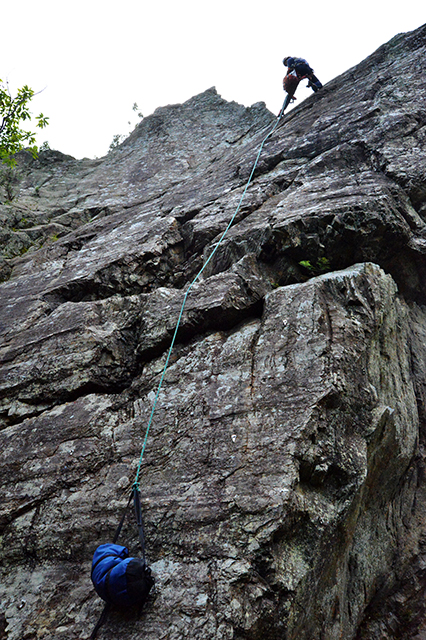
pixel 114 555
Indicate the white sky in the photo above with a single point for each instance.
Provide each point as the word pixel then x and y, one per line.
pixel 95 59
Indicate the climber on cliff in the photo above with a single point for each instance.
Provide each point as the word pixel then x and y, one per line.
pixel 297 69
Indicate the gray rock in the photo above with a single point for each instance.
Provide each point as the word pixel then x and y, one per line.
pixel 283 481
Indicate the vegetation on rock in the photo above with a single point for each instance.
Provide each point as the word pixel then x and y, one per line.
pixel 14 110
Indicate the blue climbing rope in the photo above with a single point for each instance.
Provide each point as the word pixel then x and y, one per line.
pixel 217 245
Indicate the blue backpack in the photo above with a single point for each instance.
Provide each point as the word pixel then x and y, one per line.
pixel 118 579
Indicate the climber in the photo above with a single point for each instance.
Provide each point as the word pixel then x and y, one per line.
pixel 297 69
pixel 302 70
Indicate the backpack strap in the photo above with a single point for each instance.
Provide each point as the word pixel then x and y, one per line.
pixel 100 622
pixel 123 517
pixel 139 521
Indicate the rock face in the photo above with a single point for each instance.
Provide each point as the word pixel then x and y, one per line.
pixel 283 483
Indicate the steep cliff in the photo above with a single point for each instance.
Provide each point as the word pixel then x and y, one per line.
pixel 283 483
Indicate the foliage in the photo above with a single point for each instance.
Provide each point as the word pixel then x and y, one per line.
pixel 13 112
pixel 322 265
pixel 9 180
pixel 116 140
pixel 135 108
pixel 119 138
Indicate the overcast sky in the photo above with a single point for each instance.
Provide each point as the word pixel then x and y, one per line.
pixel 94 59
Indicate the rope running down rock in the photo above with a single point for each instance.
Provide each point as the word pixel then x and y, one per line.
pixel 136 481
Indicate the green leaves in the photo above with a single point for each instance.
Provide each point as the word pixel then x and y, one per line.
pixel 119 138
pixel 322 265
pixel 14 111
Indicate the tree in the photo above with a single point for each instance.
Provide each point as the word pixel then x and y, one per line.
pixel 14 111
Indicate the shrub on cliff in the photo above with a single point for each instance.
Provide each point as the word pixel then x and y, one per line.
pixel 13 112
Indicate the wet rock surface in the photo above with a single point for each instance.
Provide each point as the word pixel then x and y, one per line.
pixel 283 483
